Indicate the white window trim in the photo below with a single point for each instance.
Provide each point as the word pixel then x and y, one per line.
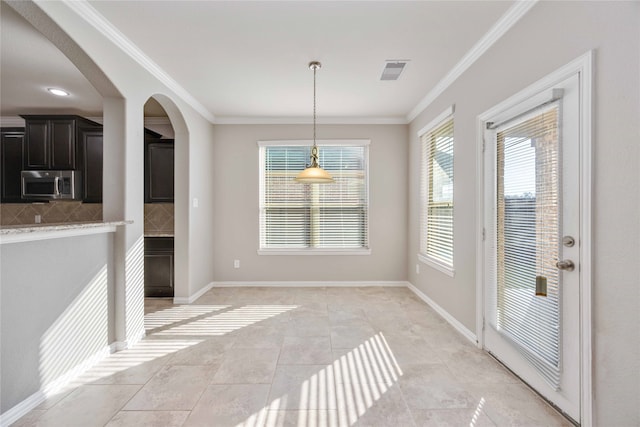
pixel 315 251
pixel 437 264
pixel 321 143
pixel 432 262
pixel 440 119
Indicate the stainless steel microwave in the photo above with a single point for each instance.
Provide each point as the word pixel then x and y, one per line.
pixel 51 185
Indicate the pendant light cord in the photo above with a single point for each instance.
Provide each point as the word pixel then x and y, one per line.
pixel 314 149
pixel 313 173
pixel 314 105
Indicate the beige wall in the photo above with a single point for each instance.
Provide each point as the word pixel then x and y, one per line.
pixel 235 191
pixel 549 36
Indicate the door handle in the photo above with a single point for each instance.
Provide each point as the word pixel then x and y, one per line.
pixel 565 264
pixel 57 183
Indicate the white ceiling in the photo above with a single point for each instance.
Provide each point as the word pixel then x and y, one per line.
pixel 29 64
pixel 249 59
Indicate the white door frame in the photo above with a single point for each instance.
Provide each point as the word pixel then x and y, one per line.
pixel 582 65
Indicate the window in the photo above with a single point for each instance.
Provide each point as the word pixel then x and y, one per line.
pixel 314 218
pixel 436 176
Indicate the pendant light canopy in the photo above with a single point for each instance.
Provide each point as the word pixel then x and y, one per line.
pixel 314 174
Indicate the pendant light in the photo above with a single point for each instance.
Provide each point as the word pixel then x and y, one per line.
pixel 314 174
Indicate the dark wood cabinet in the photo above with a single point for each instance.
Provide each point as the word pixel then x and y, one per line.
pixel 158 267
pixel 51 142
pixel 37 149
pixel 11 162
pixel 63 144
pixel 70 142
pixel 91 142
pixel 159 171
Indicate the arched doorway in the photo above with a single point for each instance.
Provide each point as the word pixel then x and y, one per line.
pixel 166 203
pixel 122 197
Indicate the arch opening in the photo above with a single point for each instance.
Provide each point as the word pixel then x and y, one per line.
pixel 167 217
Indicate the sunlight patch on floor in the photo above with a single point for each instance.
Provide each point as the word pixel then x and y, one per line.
pixel 343 390
pixel 143 352
pixel 219 324
pixel 477 413
pixel 179 313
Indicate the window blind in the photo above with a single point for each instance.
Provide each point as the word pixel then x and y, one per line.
pixel 527 238
pixel 436 235
pixel 314 216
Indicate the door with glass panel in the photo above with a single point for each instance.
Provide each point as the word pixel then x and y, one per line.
pixel 531 248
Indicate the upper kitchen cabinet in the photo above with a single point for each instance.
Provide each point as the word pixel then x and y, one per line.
pixel 91 143
pixel 90 158
pixel 11 162
pixel 51 142
pixel 158 171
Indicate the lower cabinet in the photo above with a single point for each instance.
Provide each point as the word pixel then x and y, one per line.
pixel 158 267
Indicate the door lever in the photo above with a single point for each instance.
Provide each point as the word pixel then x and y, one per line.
pixel 565 264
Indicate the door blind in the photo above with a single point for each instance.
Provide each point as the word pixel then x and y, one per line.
pixel 527 238
pixel 436 234
pixel 308 216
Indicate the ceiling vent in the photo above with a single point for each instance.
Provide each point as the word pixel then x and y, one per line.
pixel 393 69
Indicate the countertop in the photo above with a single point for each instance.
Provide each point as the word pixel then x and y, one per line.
pixel 22 233
pixel 158 234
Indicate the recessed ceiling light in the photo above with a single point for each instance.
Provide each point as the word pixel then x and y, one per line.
pixel 58 92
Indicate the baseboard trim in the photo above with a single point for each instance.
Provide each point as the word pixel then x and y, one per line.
pixel 192 298
pixel 309 284
pixel 21 409
pixel 136 338
pixel 445 314
pixel 123 345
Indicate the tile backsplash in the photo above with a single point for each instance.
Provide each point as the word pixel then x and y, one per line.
pixel 158 218
pixel 50 213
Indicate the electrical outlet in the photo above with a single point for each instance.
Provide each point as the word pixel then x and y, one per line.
pixel 236 263
pixel 417 268
pixel 38 219
pixel 195 202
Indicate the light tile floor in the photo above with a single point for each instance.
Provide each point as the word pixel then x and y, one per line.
pixel 297 357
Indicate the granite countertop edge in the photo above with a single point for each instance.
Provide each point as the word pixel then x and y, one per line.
pixel 39 228
pixel 159 234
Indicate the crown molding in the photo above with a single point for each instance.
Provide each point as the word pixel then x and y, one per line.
pixel 511 16
pixel 15 121
pixel 100 23
pixel 296 120
pixel 11 121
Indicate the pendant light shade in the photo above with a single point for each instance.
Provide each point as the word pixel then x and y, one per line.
pixel 314 174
